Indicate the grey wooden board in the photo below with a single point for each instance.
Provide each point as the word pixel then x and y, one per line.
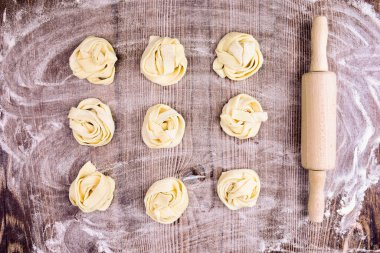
pixel 40 158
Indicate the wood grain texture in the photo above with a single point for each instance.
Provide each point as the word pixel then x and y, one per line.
pixel 40 158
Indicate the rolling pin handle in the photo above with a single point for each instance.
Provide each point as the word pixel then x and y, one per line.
pixel 316 206
pixel 319 33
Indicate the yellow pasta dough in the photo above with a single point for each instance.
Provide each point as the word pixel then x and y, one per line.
pixel 242 116
pixel 91 190
pixel 92 123
pixel 163 61
pixel 239 188
pixel 94 59
pixel 163 127
pixel 238 56
pixel 166 200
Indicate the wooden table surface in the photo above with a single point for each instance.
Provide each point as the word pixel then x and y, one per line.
pixel 40 158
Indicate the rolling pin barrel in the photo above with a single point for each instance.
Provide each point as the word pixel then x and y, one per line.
pixel 318 126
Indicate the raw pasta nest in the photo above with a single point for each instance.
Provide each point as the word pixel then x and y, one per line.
pixel 238 56
pixel 163 61
pixel 166 200
pixel 242 116
pixel 163 127
pixel 92 123
pixel 91 190
pixel 94 59
pixel 239 188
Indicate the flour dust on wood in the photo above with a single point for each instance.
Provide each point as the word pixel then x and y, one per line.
pixel 38 90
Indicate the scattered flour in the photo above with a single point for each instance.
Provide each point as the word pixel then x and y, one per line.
pixel 358 168
pixel 5 15
pixel 364 7
pixel 101 239
pixel 56 243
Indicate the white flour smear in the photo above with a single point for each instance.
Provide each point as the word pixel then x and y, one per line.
pixel 41 146
pixel 358 112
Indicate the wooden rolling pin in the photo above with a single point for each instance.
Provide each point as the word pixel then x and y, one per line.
pixel 318 133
